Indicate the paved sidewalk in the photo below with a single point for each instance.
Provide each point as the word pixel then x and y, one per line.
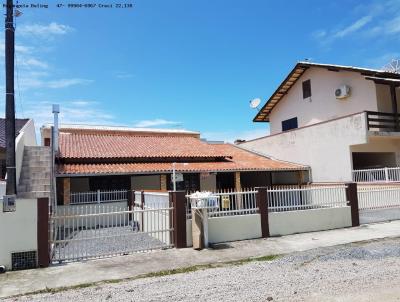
pixel 20 282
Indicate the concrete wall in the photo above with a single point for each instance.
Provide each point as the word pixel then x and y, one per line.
pixel 323 105
pixel 18 230
pixel 146 182
pixel 229 228
pixel 285 223
pixel 26 137
pixel 324 147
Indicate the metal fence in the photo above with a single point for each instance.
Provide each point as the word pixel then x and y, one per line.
pixel 90 231
pixel 98 196
pixel 377 175
pixel 293 198
pixel 378 197
pixel 230 203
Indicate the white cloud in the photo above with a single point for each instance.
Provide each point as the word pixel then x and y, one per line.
pixel 43 30
pixel 357 25
pixel 32 62
pixel 156 122
pixel 123 75
pixel 87 112
pixel 37 82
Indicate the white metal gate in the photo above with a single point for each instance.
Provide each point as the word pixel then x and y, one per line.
pixel 86 231
pixel 378 203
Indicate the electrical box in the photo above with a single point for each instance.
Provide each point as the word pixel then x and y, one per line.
pixel 9 203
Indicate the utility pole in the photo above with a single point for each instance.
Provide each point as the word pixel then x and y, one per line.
pixel 11 188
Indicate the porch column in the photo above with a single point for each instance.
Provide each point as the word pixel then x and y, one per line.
pixel 238 188
pixel 238 185
pixel 67 190
pixel 163 180
pixel 394 105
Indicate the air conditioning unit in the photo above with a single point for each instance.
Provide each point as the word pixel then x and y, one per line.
pixel 342 92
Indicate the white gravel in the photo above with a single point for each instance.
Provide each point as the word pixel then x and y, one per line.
pixel 357 272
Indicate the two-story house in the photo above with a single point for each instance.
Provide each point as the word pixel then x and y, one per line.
pixel 342 121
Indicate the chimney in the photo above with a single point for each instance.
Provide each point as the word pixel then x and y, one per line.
pixel 56 111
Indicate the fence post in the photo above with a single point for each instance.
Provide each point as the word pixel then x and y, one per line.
pixel 262 203
pixel 98 196
pixel 43 232
pixel 178 200
pixel 131 200
pixel 386 174
pixel 352 198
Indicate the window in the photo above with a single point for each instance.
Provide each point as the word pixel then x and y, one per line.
pixel 289 124
pixel 306 89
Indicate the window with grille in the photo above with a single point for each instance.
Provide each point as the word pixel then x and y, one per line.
pixel 23 260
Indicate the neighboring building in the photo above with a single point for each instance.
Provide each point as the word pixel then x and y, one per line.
pixel 116 158
pixel 19 124
pixel 335 119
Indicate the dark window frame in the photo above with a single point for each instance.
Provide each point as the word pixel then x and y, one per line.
pixel 290 124
pixel 306 85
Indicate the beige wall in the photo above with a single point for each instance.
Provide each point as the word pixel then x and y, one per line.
pixel 380 144
pixel 18 230
pixel 146 182
pixel 208 183
pixel 323 104
pixel 324 147
pixel 384 98
pixel 286 223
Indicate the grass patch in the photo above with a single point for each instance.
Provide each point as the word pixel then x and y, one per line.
pixel 163 273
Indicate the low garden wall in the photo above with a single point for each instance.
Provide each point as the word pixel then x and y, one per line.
pixel 18 230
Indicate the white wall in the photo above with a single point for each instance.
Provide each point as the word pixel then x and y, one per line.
pixel 18 230
pixel 323 105
pixel 324 147
pixel 26 137
pixel 229 228
pixel 292 222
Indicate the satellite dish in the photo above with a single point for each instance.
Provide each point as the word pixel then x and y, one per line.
pixel 393 66
pixel 255 103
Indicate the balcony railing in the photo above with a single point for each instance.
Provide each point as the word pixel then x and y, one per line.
pixel 377 175
pixel 382 121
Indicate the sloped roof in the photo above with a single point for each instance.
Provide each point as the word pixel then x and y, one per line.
pixel 102 146
pixel 19 124
pixel 241 160
pixel 297 72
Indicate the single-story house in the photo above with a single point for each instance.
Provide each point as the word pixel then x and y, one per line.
pixel 94 158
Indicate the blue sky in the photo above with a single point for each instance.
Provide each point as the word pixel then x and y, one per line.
pixel 186 64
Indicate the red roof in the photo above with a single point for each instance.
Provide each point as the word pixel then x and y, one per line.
pixel 241 161
pixel 102 146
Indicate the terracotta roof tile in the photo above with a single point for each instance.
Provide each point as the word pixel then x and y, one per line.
pixel 241 161
pixel 101 146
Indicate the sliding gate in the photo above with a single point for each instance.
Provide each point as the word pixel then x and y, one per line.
pixel 378 202
pixel 83 231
